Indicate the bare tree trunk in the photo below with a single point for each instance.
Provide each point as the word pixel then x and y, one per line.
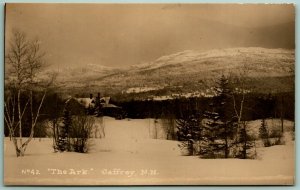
pixel 19 117
pixel 10 121
pixel 245 141
pixel 54 140
pixel 19 150
pixel 33 124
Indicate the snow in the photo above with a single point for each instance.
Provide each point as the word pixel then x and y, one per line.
pixel 207 93
pixel 129 155
pixel 88 67
pixel 193 55
pixel 161 98
pixel 142 89
pixel 83 72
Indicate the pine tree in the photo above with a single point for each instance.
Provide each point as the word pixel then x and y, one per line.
pixel 189 132
pixel 220 124
pixel 63 139
pixel 210 130
pixel 263 133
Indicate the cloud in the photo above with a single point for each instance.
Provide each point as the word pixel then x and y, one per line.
pixel 123 34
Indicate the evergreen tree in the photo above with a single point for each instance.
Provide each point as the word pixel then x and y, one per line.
pixel 263 133
pixel 63 139
pixel 189 132
pixel 210 130
pixel 220 124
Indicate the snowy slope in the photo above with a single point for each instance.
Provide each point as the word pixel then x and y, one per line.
pixel 199 70
pixel 84 72
pixel 128 151
pixel 191 56
pixel 193 69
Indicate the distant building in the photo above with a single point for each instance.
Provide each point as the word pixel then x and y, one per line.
pixel 107 109
pixel 74 106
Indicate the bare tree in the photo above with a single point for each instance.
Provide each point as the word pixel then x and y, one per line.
pixel 238 81
pixel 80 132
pixel 169 125
pixel 23 62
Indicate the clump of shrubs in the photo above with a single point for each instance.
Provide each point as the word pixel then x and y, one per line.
pixel 74 133
pixel 80 133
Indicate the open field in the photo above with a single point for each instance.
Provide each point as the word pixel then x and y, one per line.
pixel 128 155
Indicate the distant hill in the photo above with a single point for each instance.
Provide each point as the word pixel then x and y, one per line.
pixel 188 71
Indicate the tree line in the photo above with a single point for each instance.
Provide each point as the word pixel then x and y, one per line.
pixel 280 104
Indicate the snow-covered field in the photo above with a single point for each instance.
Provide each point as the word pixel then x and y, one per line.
pixel 129 155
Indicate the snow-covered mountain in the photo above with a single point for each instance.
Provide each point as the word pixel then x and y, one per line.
pixel 225 59
pixel 84 72
pixel 193 70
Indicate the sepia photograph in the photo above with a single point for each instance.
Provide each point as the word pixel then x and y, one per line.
pixel 149 94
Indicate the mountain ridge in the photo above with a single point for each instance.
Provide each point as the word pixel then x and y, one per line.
pixel 192 69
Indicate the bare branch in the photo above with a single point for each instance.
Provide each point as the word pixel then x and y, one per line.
pixel 40 106
pixel 24 60
pixel 7 114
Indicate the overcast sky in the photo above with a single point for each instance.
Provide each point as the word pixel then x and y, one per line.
pixel 121 35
